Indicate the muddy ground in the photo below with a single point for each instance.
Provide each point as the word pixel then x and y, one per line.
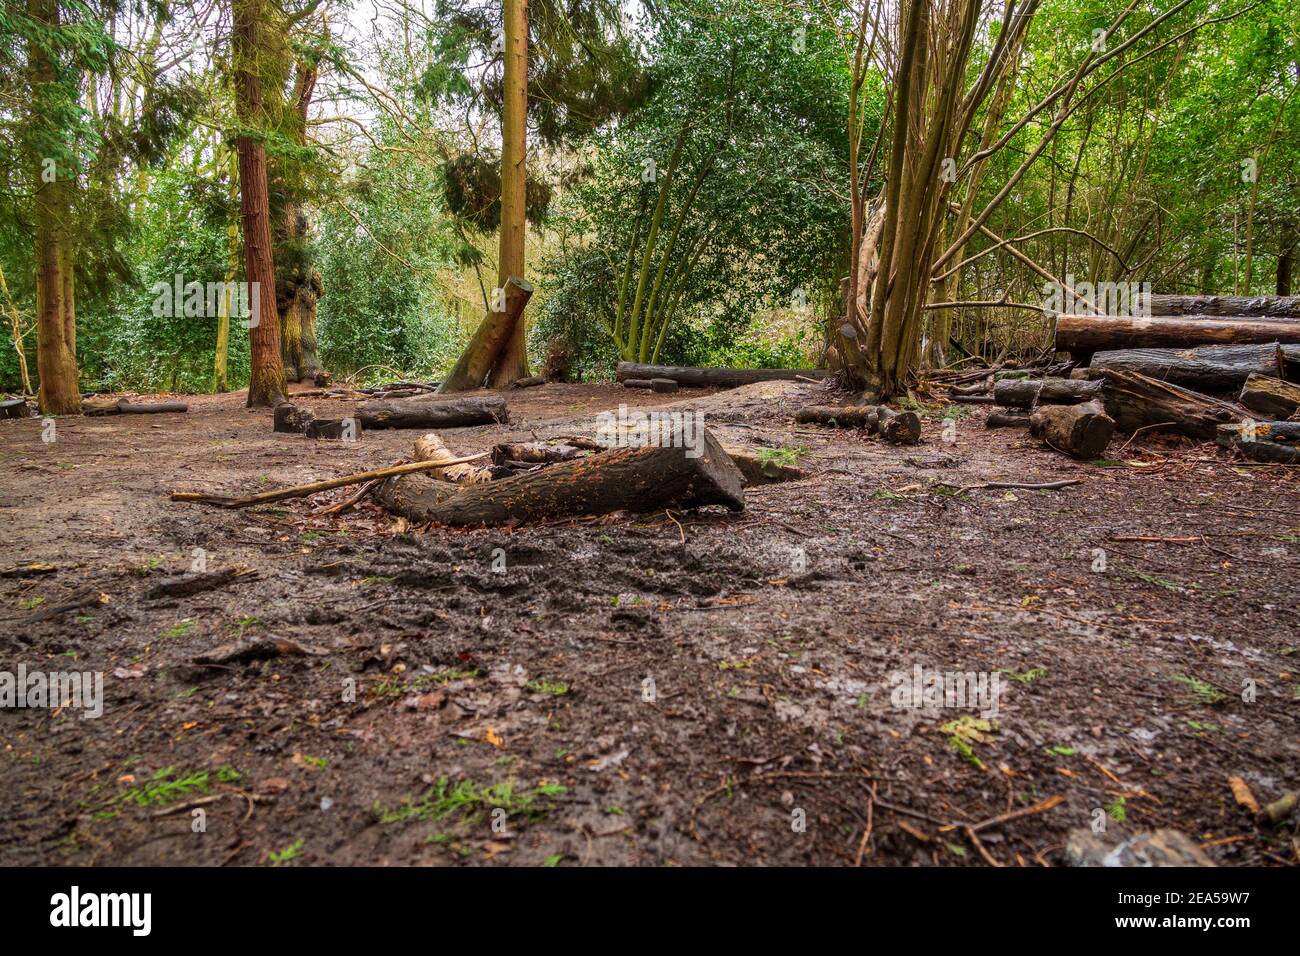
pixel 655 689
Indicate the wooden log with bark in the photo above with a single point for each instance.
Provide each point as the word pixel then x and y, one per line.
pixel 1261 306
pixel 1085 334
pixel 433 412
pixel 1270 397
pixel 1210 368
pixel 1003 418
pixel 333 429
pixel 432 448
pixel 289 418
pixel 15 408
pixel 1081 431
pixel 716 377
pixel 664 385
pixel 534 453
pixel 488 342
pixel 1137 401
pixel 646 478
pixel 124 407
pixel 1272 442
pixel 1030 392
pixel 902 428
pixel 533 381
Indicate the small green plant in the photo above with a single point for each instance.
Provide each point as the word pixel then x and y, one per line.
pixel 31 602
pixel 553 687
pixel 781 457
pixel 1117 811
pixel 288 853
pixel 471 801
pixel 1205 693
pixel 1062 751
pixel 180 628
pixel 1028 677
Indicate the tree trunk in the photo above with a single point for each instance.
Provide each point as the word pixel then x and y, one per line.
pixel 714 377
pixel 1089 333
pixel 1287 237
pixel 490 338
pixel 1082 431
pixel 512 363
pixel 266 384
pixel 1138 401
pixel 902 428
pixel 1272 442
pixel 1028 392
pixel 299 285
pixel 1226 306
pixel 1270 397
pixel 647 478
pixel 16 327
pixel 1211 368
pixel 56 314
pixel 432 412
pixel 221 358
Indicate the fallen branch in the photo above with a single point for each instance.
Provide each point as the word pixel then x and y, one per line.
pixel 302 491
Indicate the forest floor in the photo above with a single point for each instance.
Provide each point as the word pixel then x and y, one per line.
pixel 653 689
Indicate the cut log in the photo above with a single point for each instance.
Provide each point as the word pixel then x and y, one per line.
pixel 638 383
pixel 903 428
pixel 127 408
pixel 1000 418
pixel 1082 431
pixel 124 407
pixel 647 478
pixel 1029 392
pixel 431 448
pixel 14 408
pixel 534 453
pixel 717 377
pixel 1272 442
pixel 1270 397
pixel 1264 306
pixel 761 469
pixel 1092 333
pixel 488 341
pixel 531 382
pixel 1210 368
pixel 1138 401
pixel 289 418
pixel 433 412
pixel 333 429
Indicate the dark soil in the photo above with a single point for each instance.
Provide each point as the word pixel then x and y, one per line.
pixel 519 698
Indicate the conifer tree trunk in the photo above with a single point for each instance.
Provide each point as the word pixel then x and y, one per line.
pixel 299 286
pixel 509 361
pixel 56 314
pixel 266 384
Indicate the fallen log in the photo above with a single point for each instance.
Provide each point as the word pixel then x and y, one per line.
pixel 1270 397
pixel 1029 392
pixel 187 585
pixel 1210 368
pixel 14 408
pixel 1092 333
pixel 534 453
pixel 531 382
pixel 433 412
pixel 898 427
pixel 716 377
pixel 1081 431
pixel 471 369
pixel 334 429
pixel 1263 306
pixel 289 418
pixel 124 407
pixel 302 491
pixel 761 469
pixel 432 449
pixel 1138 401
pixel 1000 418
pixel 646 478
pixel 1272 442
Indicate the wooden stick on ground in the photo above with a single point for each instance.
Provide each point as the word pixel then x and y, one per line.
pixel 301 491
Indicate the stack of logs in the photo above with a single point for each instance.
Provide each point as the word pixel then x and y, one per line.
pixel 1210 367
